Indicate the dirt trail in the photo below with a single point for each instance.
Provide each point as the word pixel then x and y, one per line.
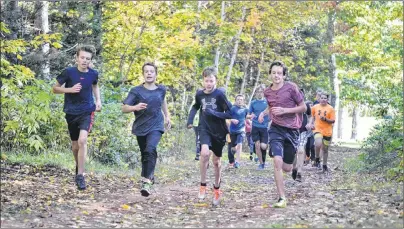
pixel 47 197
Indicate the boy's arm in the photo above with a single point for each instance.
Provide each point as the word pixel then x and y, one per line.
pixel 226 106
pixel 166 113
pixel 59 87
pixel 96 92
pixel 193 111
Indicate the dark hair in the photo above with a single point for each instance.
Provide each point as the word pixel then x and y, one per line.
pixel 279 63
pixel 239 95
pixel 324 93
pixel 86 48
pixel 149 64
pixel 208 71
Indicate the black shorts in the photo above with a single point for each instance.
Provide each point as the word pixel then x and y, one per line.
pixel 259 134
pixel 237 138
pixel 75 123
pixel 215 145
pixel 283 142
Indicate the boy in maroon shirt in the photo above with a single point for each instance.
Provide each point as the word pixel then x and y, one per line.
pixel 285 107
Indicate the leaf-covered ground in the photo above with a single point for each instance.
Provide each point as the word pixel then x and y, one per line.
pixel 46 197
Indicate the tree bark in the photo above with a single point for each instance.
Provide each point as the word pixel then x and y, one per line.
pixel 355 118
pixel 42 26
pixel 235 49
pixel 217 55
pixel 259 72
pixel 245 65
pixel 339 122
pixel 334 82
pixel 97 29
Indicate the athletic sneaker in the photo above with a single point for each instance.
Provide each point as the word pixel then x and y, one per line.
pixel 325 169
pixel 202 192
pixel 146 188
pixel 236 165
pixel 231 165
pixel 317 164
pixel 280 204
pixel 197 157
pixel 299 177
pixel 81 183
pixel 261 166
pixel 306 162
pixel 256 158
pixel 251 156
pixel 216 196
pixel 294 173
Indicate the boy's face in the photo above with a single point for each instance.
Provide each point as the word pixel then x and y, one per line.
pixel 240 101
pixel 209 83
pixel 277 74
pixel 83 59
pixel 323 100
pixel 149 73
pixel 259 94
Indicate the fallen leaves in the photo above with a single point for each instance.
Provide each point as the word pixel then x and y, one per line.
pixel 115 201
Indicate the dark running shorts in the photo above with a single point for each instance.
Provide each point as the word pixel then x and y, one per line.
pixel 75 123
pixel 214 145
pixel 259 134
pixel 283 142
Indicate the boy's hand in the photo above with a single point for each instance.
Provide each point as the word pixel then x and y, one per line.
pixel 98 106
pixel 278 111
pixel 261 117
pixel 76 88
pixel 189 126
pixel 234 121
pixel 168 123
pixel 140 106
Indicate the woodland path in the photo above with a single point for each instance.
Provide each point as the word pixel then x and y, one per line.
pixel 46 197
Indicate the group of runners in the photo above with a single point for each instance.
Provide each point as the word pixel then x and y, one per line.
pixel 278 121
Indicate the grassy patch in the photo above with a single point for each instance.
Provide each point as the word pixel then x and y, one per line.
pixel 64 160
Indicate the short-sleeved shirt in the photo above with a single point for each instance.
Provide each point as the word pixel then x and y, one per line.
pixel 82 102
pixel 209 123
pixel 238 113
pixel 288 96
pixel 321 126
pixel 151 118
pixel 256 107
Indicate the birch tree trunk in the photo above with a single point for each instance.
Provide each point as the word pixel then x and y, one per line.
pixel 235 49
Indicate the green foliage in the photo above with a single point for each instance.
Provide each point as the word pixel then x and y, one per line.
pixel 384 148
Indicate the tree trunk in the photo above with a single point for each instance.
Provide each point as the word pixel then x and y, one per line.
pixel 339 121
pixel 217 55
pixel 42 25
pixel 245 65
pixel 235 49
pixel 259 72
pixel 97 29
pixel 334 82
pixel 355 118
pixel 11 18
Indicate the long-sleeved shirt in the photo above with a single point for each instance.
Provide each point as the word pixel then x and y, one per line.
pixel 214 109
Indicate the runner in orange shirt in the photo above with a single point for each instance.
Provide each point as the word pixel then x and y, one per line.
pixel 322 118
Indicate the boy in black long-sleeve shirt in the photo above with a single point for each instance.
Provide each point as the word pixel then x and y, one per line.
pixel 214 109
